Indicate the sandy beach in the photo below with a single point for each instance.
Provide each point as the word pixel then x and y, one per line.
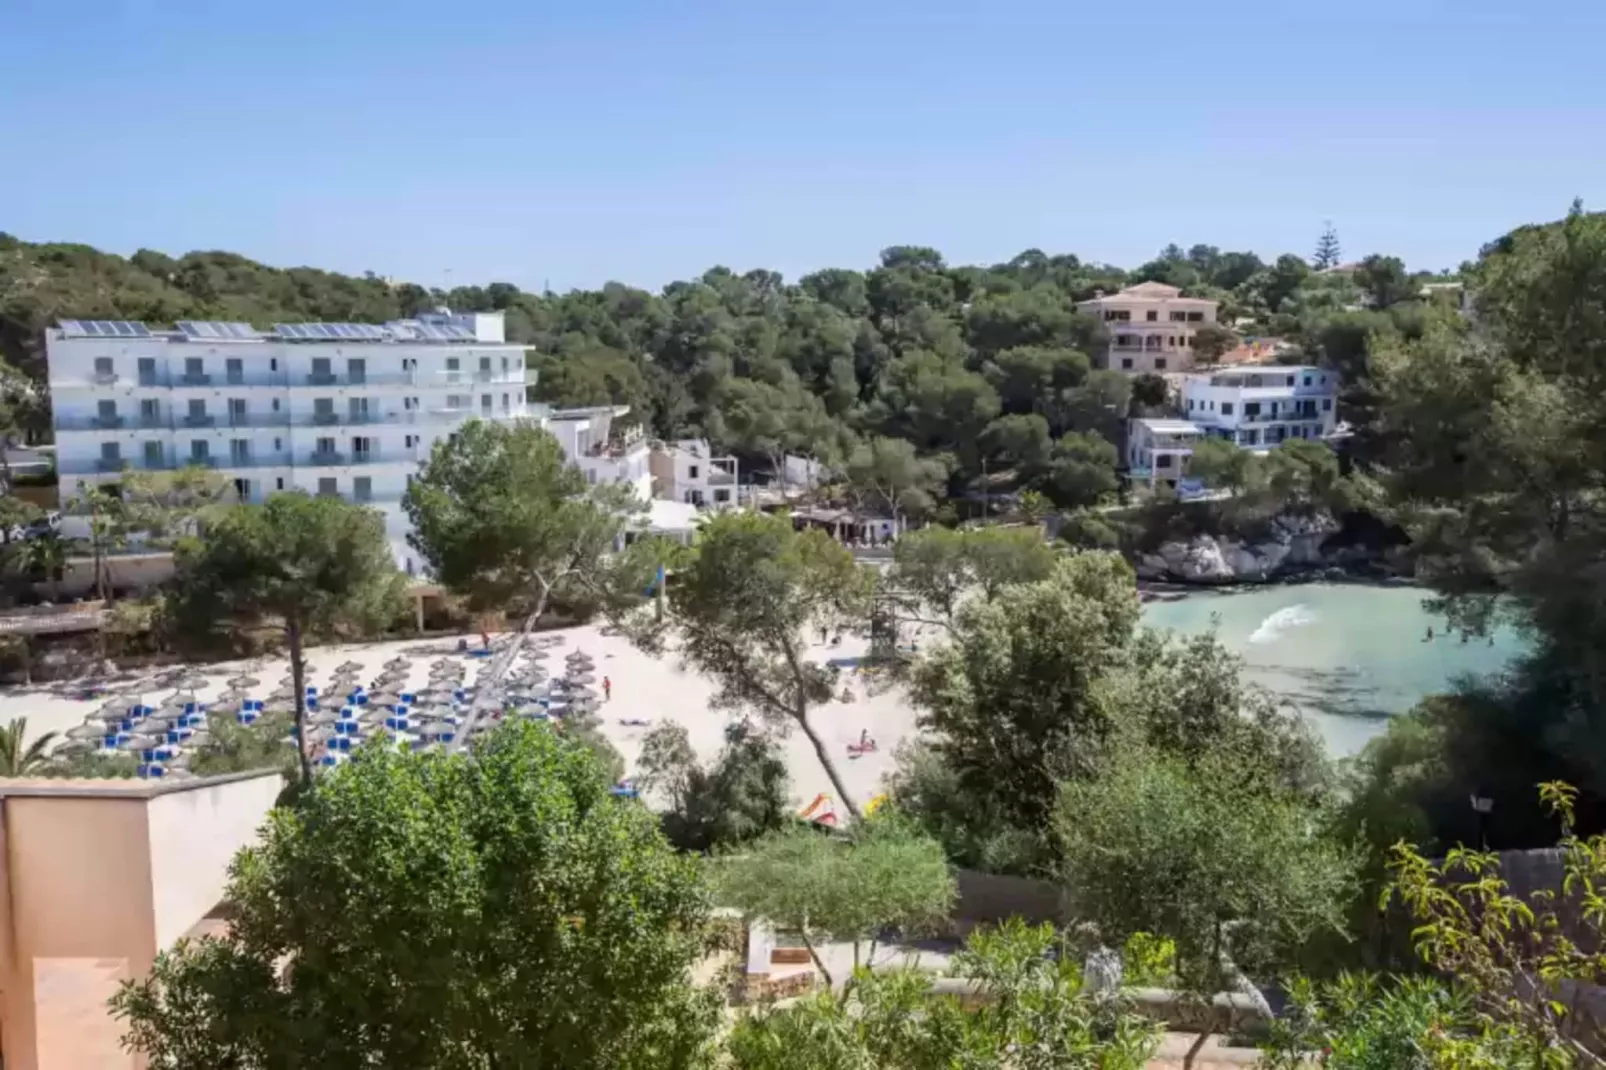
pixel 644 688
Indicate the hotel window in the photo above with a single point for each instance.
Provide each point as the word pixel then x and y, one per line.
pixel 328 487
pixel 1159 364
pixel 1153 315
pixel 1327 404
pixel 111 455
pixel 103 368
pixel 147 371
pixel 1126 362
pixel 1226 408
pixel 362 489
pixel 200 451
pixel 234 370
pixel 153 455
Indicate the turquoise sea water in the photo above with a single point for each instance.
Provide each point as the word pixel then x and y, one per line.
pixel 1349 656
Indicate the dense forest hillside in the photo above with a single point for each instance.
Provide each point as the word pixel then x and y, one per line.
pixel 969 365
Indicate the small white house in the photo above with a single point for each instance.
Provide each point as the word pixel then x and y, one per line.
pixel 688 472
pixel 1158 450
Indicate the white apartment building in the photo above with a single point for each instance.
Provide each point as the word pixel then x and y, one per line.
pixel 1259 407
pixel 331 408
pixel 1150 327
pixel 687 471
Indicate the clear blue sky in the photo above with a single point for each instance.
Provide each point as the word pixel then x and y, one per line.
pixel 646 140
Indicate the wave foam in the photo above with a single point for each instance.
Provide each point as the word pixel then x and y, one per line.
pixel 1284 620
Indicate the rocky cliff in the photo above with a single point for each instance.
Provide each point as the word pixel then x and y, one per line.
pixel 1294 544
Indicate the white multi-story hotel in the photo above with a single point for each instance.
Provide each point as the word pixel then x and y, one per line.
pixel 1259 407
pixel 331 408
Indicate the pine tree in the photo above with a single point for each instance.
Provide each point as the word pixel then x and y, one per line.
pixel 1327 250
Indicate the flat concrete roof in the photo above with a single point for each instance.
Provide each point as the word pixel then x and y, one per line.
pixel 117 787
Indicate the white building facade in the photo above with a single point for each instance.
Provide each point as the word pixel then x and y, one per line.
pixel 1261 407
pixel 1158 450
pixel 602 448
pixel 341 409
pixel 687 471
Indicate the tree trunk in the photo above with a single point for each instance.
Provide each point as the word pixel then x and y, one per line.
pixel 298 672
pixel 496 670
pixel 802 718
pixel 819 963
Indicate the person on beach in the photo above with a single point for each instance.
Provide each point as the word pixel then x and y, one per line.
pixel 607 689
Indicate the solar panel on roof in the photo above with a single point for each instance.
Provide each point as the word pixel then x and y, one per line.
pixel 70 328
pixel 241 330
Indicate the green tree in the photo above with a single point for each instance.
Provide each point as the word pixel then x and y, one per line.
pixel 1515 535
pixel 742 796
pixel 1220 462
pixel 18 757
pixel 1081 471
pixel 887 473
pixel 399 892
pixel 938 566
pixel 308 567
pixel 1232 874
pixel 1149 391
pixel 1524 959
pixel 1211 342
pixel 1384 281
pixel 502 518
pixel 1018 442
pixel 165 505
pixel 45 556
pixel 884 876
pixel 591 376
pixel 102 510
pixel 1328 251
pixel 1028 1010
pixel 738 610
pixel 1013 700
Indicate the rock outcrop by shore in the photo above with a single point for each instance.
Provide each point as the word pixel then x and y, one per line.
pixel 1293 545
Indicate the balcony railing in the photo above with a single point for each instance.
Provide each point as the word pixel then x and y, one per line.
pixel 162 421
pixel 193 379
pixel 324 418
pixel 104 378
pixel 169 461
pixel 328 458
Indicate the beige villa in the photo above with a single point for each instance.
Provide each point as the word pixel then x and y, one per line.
pixel 1150 327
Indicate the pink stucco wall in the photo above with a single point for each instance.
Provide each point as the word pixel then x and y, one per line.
pixel 95 878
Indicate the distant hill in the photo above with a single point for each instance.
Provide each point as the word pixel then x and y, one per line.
pixel 40 283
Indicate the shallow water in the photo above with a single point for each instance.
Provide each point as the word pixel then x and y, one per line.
pixel 1349 656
